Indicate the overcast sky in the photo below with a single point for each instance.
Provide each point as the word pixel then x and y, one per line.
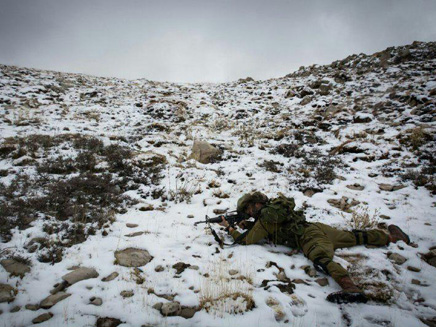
pixel 203 41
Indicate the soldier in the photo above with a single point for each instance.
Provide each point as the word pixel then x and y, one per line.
pixel 277 221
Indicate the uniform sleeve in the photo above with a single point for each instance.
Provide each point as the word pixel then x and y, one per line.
pixel 257 233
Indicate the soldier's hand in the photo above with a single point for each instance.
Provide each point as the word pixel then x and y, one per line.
pixel 243 224
pixel 224 222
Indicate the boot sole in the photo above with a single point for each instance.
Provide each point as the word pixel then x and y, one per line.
pixel 347 297
pixel 393 227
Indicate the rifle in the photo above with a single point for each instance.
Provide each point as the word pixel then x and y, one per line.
pixel 232 218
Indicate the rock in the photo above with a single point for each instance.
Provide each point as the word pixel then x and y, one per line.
pixel 51 300
pixel 158 306
pixel 23 161
pixel 159 268
pixel 110 277
pixel 390 188
pixel 306 100
pixel 362 118
pixel 15 309
pixel 134 234
pixel 194 267
pixel 59 287
pixel 432 261
pixel 356 187
pixel 188 312
pixel 7 293
pixel 414 269
pixel 281 276
pixel 147 207
pixel 170 309
pixel 205 153
pixel 397 258
pixel 322 281
pixel 325 88
pixel 80 274
pixel 300 281
pixel 126 294
pixel 233 272
pixel 15 268
pixel 97 301
pixel 385 217
pixel 132 257
pixel 108 322
pixel 190 216
pixel 309 271
pixel 416 282
pixel 131 225
pixel 180 267
pixel 32 307
pixel 41 318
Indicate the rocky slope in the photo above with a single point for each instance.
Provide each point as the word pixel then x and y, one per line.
pixel 103 178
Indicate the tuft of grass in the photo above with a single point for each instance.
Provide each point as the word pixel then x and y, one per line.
pixel 361 218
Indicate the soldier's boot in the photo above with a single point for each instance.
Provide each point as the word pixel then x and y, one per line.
pixel 396 234
pixel 350 293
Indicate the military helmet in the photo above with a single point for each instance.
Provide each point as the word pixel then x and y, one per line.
pixel 248 198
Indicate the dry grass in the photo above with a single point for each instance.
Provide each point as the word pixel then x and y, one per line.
pixel 361 218
pixel 222 294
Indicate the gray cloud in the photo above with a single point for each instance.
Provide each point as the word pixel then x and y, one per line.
pixel 192 41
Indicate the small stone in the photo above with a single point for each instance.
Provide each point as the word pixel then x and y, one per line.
pixel 233 272
pixel 385 217
pixel 79 275
pixel 132 257
pixel 59 287
pixel 126 294
pixel 147 207
pixel 110 277
pixel 15 268
pixel 194 267
pixel 7 293
pixel 416 282
pixel 97 301
pixel 51 300
pixel 414 269
pixel 180 267
pixel 190 216
pixel 108 322
pixel 16 309
pixel 32 307
pixel 129 225
pixel 170 309
pixel 310 271
pixel 134 234
pixel 356 187
pixel 41 318
pixel 300 281
pixel 397 258
pixel 204 152
pixel 281 276
pixel 159 268
pixel 322 281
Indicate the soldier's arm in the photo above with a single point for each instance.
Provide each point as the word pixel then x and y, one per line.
pixel 256 234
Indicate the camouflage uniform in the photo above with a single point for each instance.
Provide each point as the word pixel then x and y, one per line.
pixel 318 241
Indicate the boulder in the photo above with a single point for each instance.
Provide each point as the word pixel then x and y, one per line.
pixel 204 152
pixel 132 257
pixel 41 318
pixel 7 293
pixel 97 301
pixel 80 274
pixel 15 268
pixel 51 300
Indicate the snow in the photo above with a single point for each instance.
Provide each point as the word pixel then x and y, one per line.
pixel 171 237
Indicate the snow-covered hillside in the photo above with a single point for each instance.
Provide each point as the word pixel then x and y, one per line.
pixel 100 190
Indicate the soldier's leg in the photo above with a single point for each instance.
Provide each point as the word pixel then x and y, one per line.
pixel 344 239
pixel 317 246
